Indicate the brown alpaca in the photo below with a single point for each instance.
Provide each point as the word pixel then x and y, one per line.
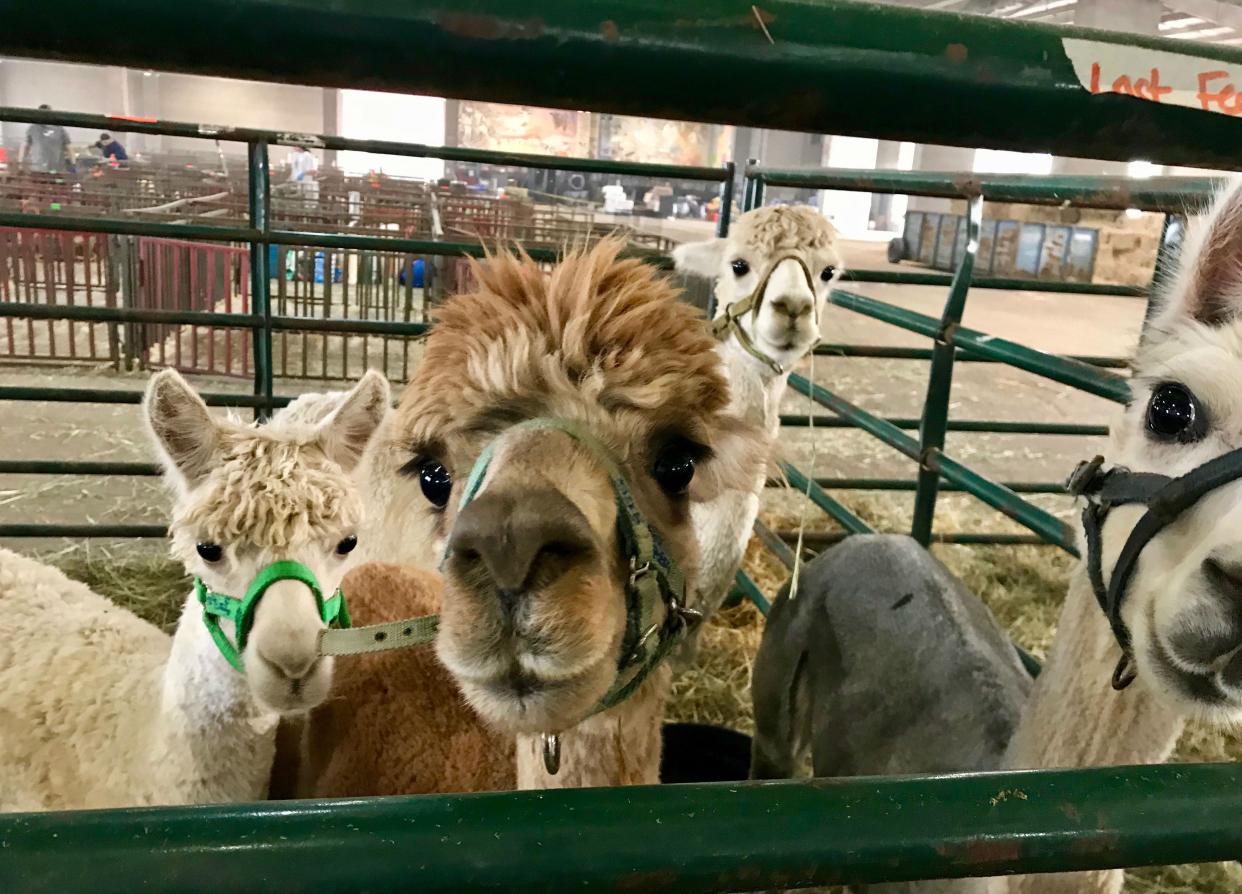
pixel 348 747
pixel 534 604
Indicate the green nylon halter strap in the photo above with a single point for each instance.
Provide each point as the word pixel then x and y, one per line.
pixel 218 606
pixel 730 321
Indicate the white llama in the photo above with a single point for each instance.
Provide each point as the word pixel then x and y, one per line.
pixel 1180 615
pixel 773 274
pixel 101 709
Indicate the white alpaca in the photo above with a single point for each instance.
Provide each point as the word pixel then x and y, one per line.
pixel 785 259
pixel 101 709
pixel 1183 611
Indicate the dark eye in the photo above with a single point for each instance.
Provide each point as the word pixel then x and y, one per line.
pixel 674 469
pixel 1175 414
pixel 740 267
pixel 346 546
pixel 827 273
pixel 210 552
pixel 436 482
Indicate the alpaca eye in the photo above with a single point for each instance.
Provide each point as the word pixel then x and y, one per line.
pixel 1174 414
pixel 740 267
pixel 210 552
pixel 346 546
pixel 827 273
pixel 435 481
pixel 674 469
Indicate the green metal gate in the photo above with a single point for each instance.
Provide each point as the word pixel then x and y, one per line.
pixel 826 67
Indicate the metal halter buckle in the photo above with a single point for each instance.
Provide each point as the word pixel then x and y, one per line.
pixel 1082 480
pixel 637 572
pixel 640 647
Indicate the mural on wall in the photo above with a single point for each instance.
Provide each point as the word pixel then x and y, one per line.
pixel 506 128
pixel 669 142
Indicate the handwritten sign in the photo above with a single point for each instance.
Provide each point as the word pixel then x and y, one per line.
pixel 1178 79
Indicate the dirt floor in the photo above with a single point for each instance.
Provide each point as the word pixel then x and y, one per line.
pixel 1022 584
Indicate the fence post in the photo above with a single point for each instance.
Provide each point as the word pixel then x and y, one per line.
pixel 748 185
pixel 128 266
pixel 260 280
pixel 940 381
pixel 726 200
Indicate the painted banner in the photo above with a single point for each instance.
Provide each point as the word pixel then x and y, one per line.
pixel 1179 79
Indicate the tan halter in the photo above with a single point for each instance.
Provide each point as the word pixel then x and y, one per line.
pixel 730 320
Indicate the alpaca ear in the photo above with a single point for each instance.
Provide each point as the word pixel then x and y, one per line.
pixel 181 425
pixel 1208 287
pixel 700 258
pixel 346 433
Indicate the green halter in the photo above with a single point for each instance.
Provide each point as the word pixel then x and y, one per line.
pixel 241 611
pixel 656 617
pixel 731 319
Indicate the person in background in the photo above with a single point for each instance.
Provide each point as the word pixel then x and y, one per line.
pixel 47 148
pixel 110 148
pixel 302 167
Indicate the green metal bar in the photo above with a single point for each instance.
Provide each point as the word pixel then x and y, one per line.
pixel 748 187
pixel 1001 498
pixel 110 396
pixel 68 467
pixel 726 200
pixel 260 196
pixel 920 278
pixel 310 238
pixel 1175 194
pixel 757 194
pixel 206 318
pixel 940 381
pixel 834 508
pixel 16 531
pixel 893 352
pixel 974 425
pixel 774 544
pixel 379 147
pixel 750 590
pixel 995 495
pixel 891 484
pixel 818 540
pixel 868 422
pixel 1059 369
pixel 847 831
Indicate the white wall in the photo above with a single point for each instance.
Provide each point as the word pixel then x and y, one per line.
pixel 390 116
pixel 850 212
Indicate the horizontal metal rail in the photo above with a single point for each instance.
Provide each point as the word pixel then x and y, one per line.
pixel 111 396
pixel 23 531
pixel 309 238
pixel 817 540
pixel 834 508
pixel 889 484
pixel 976 425
pixel 1169 194
pixel 334 325
pixel 1060 369
pixel 863 60
pixel 378 147
pixel 840 831
pixel 920 278
pixel 895 352
pixel 990 492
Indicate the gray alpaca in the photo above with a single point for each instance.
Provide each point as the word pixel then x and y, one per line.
pixel 884 664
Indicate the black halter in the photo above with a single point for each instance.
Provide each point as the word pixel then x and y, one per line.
pixel 1165 498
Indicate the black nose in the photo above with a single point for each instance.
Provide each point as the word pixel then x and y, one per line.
pixel 520 541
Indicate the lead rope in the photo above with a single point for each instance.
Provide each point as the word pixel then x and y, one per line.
pixel 810 482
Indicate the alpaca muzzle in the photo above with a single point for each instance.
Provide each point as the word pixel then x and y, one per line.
pixel 221 606
pixel 1166 499
pixel 730 321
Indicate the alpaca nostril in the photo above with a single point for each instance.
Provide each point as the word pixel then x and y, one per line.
pixel 520 543
pixel 294 668
pixel 1225 578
